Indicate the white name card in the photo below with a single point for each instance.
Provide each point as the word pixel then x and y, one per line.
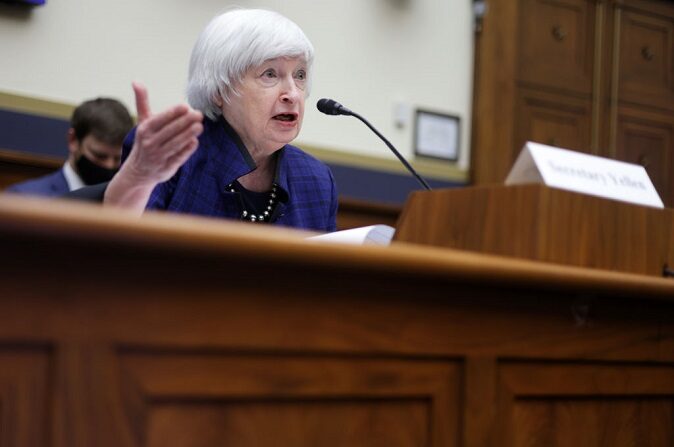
pixel 583 173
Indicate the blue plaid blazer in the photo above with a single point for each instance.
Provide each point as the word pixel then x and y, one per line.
pixel 306 189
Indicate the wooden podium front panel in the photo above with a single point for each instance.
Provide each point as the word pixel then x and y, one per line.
pixel 174 331
pixel 25 374
pixel 540 223
pixel 291 400
pixel 567 404
pixel 668 219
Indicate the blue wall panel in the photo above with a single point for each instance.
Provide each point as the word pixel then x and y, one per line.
pixel 30 133
pixel 47 136
pixel 379 186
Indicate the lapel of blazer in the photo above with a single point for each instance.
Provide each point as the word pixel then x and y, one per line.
pixel 58 183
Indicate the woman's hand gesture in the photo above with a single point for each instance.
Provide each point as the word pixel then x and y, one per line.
pixel 162 144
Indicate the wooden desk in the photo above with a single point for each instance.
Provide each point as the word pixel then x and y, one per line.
pixel 539 223
pixel 168 331
pixel 19 166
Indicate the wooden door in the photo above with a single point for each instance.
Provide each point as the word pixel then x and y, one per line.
pixel 647 138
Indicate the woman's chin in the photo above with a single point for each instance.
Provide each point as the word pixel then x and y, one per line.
pixel 285 136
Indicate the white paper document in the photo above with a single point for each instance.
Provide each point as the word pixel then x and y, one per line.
pixel 370 235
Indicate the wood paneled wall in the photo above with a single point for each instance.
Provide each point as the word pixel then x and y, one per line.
pixel 595 76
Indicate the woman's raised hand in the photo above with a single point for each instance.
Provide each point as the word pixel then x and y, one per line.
pixel 163 142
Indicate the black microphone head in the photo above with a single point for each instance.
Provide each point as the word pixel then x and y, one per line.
pixel 328 106
pixel 332 107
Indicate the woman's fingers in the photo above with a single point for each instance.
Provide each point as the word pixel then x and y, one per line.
pixel 156 122
pixel 163 141
pixel 175 127
pixel 178 141
pixel 166 164
pixel 155 156
pixel 180 156
pixel 142 101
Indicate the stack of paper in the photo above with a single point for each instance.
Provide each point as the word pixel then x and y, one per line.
pixel 373 234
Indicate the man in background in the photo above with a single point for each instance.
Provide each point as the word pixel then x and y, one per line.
pixel 97 130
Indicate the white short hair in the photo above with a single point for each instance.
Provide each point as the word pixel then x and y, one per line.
pixel 234 42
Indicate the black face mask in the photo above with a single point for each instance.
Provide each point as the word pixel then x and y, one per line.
pixel 91 173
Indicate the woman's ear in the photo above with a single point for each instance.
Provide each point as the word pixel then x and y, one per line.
pixel 217 99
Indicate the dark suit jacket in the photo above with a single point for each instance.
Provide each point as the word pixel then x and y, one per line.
pixel 50 185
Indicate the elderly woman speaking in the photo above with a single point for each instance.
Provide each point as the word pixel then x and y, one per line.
pixel 228 155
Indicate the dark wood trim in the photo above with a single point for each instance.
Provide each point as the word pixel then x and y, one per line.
pixel 16 166
pixel 359 213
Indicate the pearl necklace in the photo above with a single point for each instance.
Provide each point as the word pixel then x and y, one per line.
pixel 266 214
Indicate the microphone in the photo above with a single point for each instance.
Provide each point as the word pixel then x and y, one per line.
pixel 332 107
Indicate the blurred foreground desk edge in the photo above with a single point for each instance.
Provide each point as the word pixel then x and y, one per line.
pixel 183 331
